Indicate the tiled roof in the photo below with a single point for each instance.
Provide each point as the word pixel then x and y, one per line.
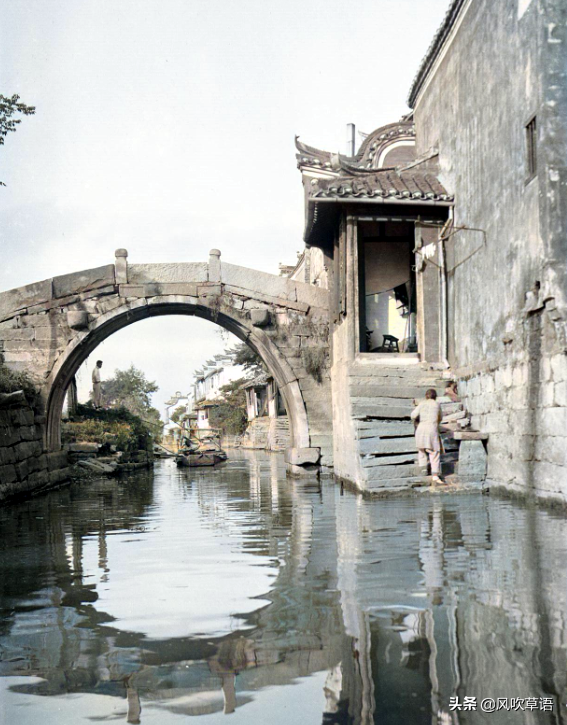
pixel 387 183
pixel 436 45
pixel 257 381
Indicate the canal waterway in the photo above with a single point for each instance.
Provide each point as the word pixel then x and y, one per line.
pixel 236 591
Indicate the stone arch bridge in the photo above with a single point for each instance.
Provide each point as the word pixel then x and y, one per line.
pixel 48 329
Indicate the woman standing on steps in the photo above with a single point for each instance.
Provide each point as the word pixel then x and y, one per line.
pixel 427 438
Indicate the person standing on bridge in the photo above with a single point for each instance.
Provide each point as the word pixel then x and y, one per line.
pixel 97 392
pixel 427 439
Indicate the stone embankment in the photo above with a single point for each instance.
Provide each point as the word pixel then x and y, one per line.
pixel 25 467
pixel 91 458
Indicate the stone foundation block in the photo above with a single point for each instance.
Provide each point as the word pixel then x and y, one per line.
pixel 56 460
pixel 28 433
pixel 22 417
pixel 7 456
pixel 60 475
pixel 559 368
pixel 27 449
pixel 560 394
pixel 38 478
pixel 302 456
pixel 22 470
pixel 8 474
pixel 472 459
pixel 9 437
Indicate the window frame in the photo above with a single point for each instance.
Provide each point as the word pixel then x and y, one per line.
pixel 530 135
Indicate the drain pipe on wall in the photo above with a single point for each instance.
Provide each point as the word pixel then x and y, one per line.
pixel 443 293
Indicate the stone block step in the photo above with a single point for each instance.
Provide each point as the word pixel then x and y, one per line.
pixel 402 371
pixel 395 484
pixel 452 417
pixel 371 446
pixel 403 458
pixel 470 435
pixel 378 473
pixel 363 408
pixel 362 387
pixel 371 400
pixel 383 428
pixel 389 484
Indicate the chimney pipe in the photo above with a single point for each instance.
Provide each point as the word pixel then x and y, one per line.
pixel 350 132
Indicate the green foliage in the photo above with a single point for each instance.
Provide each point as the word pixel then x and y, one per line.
pixel 131 390
pixel 229 415
pixel 314 359
pixel 11 381
pixel 117 426
pixel 244 355
pixel 10 106
pixel 177 413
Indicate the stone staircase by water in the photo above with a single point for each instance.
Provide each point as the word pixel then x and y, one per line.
pixel 271 434
pixel 382 398
pixel 278 437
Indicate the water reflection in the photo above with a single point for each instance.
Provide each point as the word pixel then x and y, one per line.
pixel 236 591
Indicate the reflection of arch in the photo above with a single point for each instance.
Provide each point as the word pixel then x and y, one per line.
pixel 83 345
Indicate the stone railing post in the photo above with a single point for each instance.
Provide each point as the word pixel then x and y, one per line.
pixel 121 266
pixel 214 265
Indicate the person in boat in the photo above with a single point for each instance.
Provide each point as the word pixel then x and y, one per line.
pixel 427 439
pixel 452 392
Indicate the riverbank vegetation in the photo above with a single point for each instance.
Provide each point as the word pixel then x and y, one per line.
pixel 11 382
pixel 229 412
pixel 116 427
pixel 127 421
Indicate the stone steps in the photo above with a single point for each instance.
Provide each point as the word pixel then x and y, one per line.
pixel 382 399
pixel 267 434
pixel 256 434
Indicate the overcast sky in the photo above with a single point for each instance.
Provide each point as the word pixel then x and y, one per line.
pixel 167 127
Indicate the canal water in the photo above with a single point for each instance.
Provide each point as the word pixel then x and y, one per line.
pixel 237 592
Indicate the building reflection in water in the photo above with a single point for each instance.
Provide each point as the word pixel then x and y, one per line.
pixel 399 604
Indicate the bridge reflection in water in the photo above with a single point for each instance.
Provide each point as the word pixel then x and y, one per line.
pixel 238 591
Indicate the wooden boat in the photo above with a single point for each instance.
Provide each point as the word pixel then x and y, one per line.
pixel 201 448
pixel 192 459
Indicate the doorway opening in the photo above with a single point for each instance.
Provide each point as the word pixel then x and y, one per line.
pixel 387 287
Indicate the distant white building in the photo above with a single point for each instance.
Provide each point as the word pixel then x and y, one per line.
pixel 213 375
pixel 177 400
pixel 208 383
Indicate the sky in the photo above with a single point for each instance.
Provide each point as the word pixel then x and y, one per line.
pixel 167 127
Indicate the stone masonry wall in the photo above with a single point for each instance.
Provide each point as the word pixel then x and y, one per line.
pixel 522 404
pixel 507 289
pixel 24 465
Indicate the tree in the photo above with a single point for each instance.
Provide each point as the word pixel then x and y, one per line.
pixel 177 413
pixel 9 108
pixel 130 389
pixel 229 413
pixel 244 355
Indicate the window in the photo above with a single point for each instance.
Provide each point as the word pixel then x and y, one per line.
pixel 531 148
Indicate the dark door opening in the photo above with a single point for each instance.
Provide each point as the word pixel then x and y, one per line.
pixel 387 293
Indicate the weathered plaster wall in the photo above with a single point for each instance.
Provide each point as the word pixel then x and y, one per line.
pixel 504 65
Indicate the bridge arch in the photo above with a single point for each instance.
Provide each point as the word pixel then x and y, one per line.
pixel 129 313
pixel 49 328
